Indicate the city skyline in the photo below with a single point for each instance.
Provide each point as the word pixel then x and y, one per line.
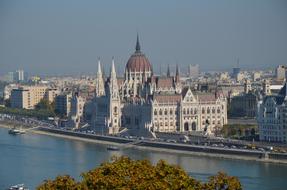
pixel 52 38
pixel 133 87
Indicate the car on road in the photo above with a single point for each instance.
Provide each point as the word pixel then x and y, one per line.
pixel 221 145
pixel 171 141
pixel 261 149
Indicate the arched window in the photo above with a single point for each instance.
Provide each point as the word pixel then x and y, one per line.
pixel 115 109
pixel 155 112
pixel 160 112
pixel 203 110
pixel 193 126
pixel 191 111
pixel 187 110
pixel 218 110
pixel 195 111
pixel 186 126
pixel 213 110
pixel 208 110
pixel 184 112
pixel 165 112
pixel 170 112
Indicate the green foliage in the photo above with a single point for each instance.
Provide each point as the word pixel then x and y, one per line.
pixel 61 182
pixel 222 181
pixel 124 173
pixel 42 110
pixel 44 104
pixel 41 114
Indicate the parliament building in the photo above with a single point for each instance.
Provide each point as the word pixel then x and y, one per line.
pixel 143 103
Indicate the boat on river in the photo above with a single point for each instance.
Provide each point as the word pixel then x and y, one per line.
pixel 15 131
pixel 18 187
pixel 113 148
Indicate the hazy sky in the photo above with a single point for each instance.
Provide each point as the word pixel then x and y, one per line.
pixel 67 36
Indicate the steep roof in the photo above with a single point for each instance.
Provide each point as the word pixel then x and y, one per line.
pixel 164 82
pixel 162 98
pixel 206 97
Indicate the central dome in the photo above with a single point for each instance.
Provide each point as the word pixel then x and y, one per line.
pixel 138 61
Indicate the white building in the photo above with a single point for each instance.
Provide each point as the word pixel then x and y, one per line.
pixel 280 72
pixel 19 75
pixel 272 117
pixel 77 110
pixel 194 71
pixel 142 102
pixel 256 76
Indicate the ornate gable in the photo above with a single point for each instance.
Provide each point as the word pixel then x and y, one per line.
pixel 188 96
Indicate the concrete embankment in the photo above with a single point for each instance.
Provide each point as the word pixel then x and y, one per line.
pixel 88 136
pixel 175 147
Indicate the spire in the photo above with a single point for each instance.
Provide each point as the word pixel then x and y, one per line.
pixel 114 89
pixel 138 47
pixel 177 74
pixel 168 71
pixel 113 69
pixel 99 67
pixel 177 71
pixel 100 87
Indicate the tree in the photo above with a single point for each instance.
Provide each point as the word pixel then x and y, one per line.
pixel 61 182
pixel 222 181
pixel 44 104
pixel 124 173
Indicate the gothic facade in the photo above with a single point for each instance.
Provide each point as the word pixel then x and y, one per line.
pixel 141 102
pixel 271 118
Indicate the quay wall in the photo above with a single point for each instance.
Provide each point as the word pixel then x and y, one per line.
pixel 87 136
pixel 164 145
pixel 204 149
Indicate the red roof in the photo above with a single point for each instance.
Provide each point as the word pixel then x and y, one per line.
pixel 206 97
pixel 138 62
pixel 164 82
pixel 167 98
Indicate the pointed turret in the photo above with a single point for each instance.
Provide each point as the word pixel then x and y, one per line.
pixel 114 102
pixel 99 67
pixel 113 69
pixel 114 90
pixel 177 74
pixel 138 47
pixel 178 86
pixel 168 71
pixel 100 87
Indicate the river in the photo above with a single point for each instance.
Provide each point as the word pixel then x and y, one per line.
pixel 31 158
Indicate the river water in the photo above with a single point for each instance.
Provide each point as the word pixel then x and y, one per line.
pixel 31 158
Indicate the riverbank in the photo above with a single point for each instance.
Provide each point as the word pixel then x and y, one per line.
pixel 158 146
